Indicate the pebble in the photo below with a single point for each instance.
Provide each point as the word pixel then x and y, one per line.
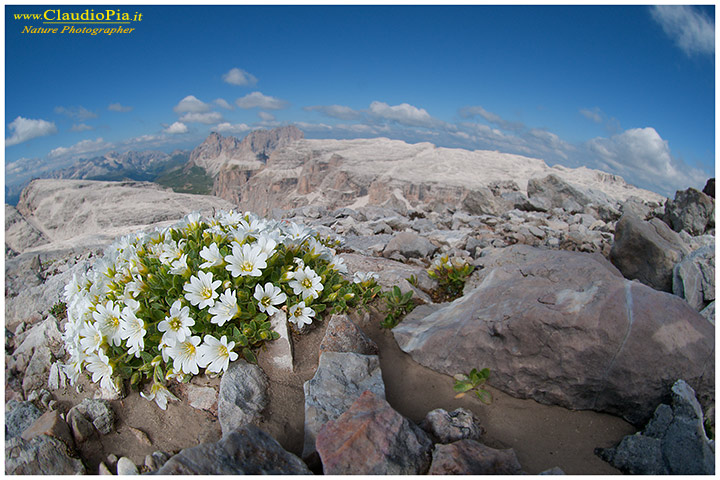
pixel 125 466
pixel 103 469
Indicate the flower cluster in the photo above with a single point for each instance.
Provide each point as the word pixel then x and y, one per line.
pixel 195 296
pixel 451 274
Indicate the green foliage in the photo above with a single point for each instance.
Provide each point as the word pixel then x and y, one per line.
pixel 195 180
pixel 475 380
pixel 59 310
pixel 450 275
pixel 397 305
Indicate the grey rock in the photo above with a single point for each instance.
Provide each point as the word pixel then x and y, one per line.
pixel 246 451
pixel 44 336
pixel 82 428
pixel 36 373
pixel 369 244
pixel 243 395
pixel 673 442
pixel 694 278
pixel 18 417
pixel 342 335
pixel 21 235
pixel 201 398
pixel 453 426
pixel 41 455
pixel 709 312
pixel 371 438
pixel 392 273
pixel 636 206
pixel 103 469
pixel 410 245
pixel 338 381
pixel 481 201
pixel 468 457
pixel 125 466
pixel 553 471
pixel 156 460
pixel 692 211
pixel 646 251
pixel 565 328
pixel 279 352
pixel 558 193
pixel 52 424
pixel 99 412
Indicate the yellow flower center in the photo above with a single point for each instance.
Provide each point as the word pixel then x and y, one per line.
pixel 175 323
pixel 223 351
pixel 189 348
pixel 247 266
pixel 306 283
pixel 206 292
pixel 265 301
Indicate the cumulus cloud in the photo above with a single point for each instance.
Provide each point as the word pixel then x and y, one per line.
pixel 191 104
pixel 206 118
pixel 176 128
pixel 404 114
pixel 81 127
pixel 24 129
pixel 258 100
pixel 228 128
pixel 223 103
pixel 117 107
pixel 643 157
pixel 237 76
pixel 336 111
pixel 78 113
pixel 689 28
pixel 80 149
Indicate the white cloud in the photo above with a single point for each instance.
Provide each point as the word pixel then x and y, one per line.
pixel 492 118
pixel 336 111
pixel 404 114
pixel 593 114
pixel 228 128
pixel 266 117
pixel 24 129
pixel 257 99
pixel 643 157
pixel 223 103
pixel 80 149
pixel 237 76
pixel 206 118
pixel 117 107
pixel 191 104
pixel 78 113
pixel 689 28
pixel 176 128
pixel 81 127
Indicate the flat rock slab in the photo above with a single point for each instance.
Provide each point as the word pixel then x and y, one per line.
pixel 468 457
pixel 342 335
pixel 338 381
pixel 371 438
pixel 565 328
pixel 246 451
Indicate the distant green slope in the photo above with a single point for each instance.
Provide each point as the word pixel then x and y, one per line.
pixel 195 181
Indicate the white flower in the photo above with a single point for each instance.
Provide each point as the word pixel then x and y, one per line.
pixel 296 234
pixel 160 394
pixel 98 364
pixel 108 318
pixel 268 297
pixel 267 244
pixel 171 251
pixel 201 290
pixel 180 266
pixel 338 264
pixel 73 368
pixel 215 355
pixel 224 309
pixel 306 282
pixel 231 218
pixel 184 355
pixel 300 315
pixel 177 325
pixel 246 260
pixel 91 338
pixel 364 277
pixel 212 255
pixel 191 220
pixel 133 330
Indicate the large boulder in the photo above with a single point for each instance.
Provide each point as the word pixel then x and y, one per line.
pixel 692 211
pixel 565 328
pixel 243 396
pixel 694 278
pixel 371 438
pixel 41 455
pixel 246 451
pixel 672 443
pixel 646 251
pixel 552 191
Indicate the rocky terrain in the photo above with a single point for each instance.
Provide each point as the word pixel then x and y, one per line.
pixel 592 303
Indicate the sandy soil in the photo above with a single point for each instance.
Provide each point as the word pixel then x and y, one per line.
pixel 542 436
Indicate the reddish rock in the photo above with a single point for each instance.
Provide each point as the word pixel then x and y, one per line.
pixel 51 424
pixel 468 457
pixel 371 438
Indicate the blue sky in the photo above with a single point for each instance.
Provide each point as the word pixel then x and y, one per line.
pixel 629 90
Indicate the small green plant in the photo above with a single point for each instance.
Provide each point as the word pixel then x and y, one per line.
pixel 475 380
pixel 450 275
pixel 397 305
pixel 59 310
pixel 365 288
pixel 413 281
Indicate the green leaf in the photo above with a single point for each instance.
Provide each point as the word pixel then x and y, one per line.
pixel 484 396
pixel 249 355
pixel 462 386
